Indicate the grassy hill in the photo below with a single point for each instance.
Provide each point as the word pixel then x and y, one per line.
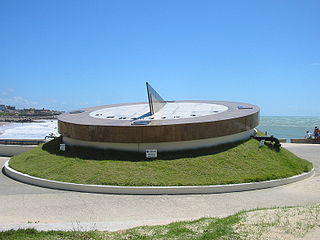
pixel 236 163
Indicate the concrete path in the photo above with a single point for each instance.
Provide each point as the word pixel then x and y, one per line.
pixel 24 205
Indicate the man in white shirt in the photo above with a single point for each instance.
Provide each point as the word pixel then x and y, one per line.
pixel 308 135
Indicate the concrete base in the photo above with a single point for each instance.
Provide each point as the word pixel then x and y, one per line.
pixel 162 146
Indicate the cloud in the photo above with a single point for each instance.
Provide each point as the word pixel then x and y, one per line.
pixel 19 102
pixel 7 91
pixel 7 97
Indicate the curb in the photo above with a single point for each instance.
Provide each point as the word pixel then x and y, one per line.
pixel 150 190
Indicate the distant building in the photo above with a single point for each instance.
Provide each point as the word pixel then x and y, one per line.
pixel 10 107
pixel 2 107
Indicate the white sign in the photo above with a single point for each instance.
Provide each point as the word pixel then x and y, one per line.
pixel 151 153
pixel 62 147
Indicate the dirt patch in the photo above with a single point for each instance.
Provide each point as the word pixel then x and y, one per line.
pixel 281 224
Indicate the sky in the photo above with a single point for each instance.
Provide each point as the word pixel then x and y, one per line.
pixel 72 54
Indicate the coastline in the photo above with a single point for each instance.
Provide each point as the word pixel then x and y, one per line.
pixel 24 119
pixel 37 129
pixel 280 127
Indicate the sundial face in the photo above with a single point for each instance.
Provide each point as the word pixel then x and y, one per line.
pixel 159 109
pixel 171 110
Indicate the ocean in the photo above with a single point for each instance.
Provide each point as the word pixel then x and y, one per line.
pixel 288 127
pixel 280 127
pixel 34 130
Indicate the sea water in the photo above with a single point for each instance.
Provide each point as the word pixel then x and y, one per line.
pixel 280 127
pixel 288 127
pixel 34 130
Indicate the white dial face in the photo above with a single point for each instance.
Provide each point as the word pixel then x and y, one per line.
pixel 172 110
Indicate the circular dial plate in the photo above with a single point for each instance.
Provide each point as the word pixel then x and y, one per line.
pixel 174 110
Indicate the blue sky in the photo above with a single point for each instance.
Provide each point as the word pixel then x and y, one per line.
pixel 71 54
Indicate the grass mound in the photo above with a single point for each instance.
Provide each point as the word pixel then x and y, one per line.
pixel 237 163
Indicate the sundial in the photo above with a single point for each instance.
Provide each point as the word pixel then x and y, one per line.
pixel 159 124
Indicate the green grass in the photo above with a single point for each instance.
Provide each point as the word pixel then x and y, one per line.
pixel 204 228
pixel 7 114
pixel 237 163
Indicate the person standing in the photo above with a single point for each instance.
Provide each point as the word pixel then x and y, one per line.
pixel 316 133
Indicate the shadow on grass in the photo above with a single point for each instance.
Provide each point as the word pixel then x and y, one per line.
pixel 87 153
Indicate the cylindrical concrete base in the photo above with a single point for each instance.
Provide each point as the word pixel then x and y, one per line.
pixel 162 146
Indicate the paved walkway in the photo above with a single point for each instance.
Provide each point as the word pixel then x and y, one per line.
pixel 24 205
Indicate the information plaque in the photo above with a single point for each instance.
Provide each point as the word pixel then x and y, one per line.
pixel 151 153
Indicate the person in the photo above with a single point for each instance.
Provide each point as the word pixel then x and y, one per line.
pixel 308 135
pixel 316 133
